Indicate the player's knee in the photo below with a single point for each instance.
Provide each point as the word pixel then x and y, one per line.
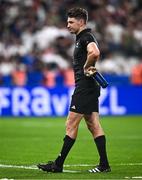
pixel 70 126
pixel 67 125
pixel 90 127
pixel 94 128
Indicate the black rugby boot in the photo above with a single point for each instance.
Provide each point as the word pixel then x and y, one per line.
pixel 50 167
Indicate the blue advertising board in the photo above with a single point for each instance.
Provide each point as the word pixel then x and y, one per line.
pixel 41 101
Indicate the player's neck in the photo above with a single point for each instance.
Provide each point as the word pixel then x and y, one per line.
pixel 81 29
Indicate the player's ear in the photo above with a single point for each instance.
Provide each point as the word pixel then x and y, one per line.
pixel 82 22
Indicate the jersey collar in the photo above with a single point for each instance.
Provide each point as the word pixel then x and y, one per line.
pixel 83 32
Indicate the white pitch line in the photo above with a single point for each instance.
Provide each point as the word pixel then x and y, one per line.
pixel 134 177
pixel 86 165
pixel 137 177
pixel 31 167
pixel 16 166
pixel 67 165
pixel 78 165
pixel 71 165
pixel 129 164
pixel 71 171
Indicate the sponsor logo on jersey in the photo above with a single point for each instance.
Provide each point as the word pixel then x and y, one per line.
pixel 73 107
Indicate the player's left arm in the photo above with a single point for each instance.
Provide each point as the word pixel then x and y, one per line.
pixel 93 54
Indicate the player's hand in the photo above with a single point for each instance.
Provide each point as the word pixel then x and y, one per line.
pixel 90 71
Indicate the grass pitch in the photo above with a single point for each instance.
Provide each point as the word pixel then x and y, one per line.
pixel 24 142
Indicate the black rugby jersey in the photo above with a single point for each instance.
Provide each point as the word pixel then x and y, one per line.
pixel 80 57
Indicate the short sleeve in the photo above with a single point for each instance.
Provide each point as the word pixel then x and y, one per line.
pixel 88 38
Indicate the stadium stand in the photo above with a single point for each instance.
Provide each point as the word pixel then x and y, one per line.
pixel 36 48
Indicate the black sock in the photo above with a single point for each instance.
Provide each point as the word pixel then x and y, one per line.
pixel 68 143
pixel 101 146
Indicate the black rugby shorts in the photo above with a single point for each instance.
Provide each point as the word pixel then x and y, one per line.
pixel 84 102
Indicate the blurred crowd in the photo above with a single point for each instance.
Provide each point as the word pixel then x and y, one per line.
pixel 36 48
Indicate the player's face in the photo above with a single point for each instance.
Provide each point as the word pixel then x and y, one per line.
pixel 74 25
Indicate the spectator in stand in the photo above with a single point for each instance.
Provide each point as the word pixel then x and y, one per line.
pixel 114 33
pixel 136 76
pixel 19 76
pixel 7 66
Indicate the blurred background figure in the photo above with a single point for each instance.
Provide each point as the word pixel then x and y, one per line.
pixel 36 48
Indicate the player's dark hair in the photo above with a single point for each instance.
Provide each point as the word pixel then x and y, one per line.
pixel 78 13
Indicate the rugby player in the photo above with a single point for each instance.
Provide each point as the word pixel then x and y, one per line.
pixel 84 102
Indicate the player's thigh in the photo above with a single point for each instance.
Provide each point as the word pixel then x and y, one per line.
pixel 73 119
